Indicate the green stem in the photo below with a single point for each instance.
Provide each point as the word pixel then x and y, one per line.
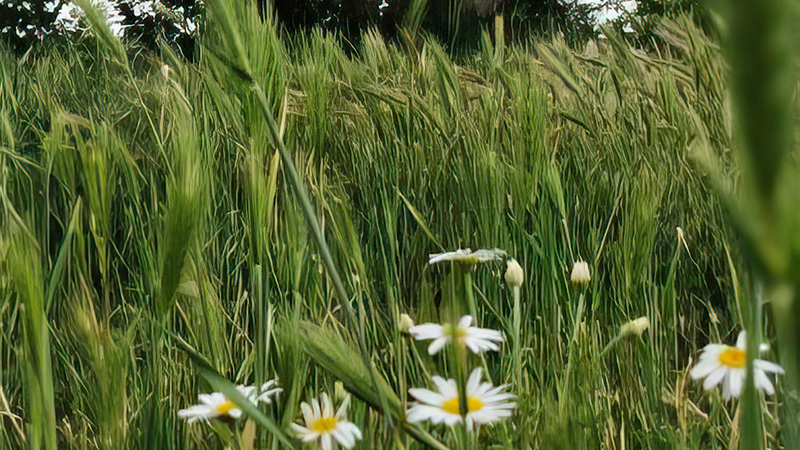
pixel 466 271
pixel 610 345
pixel 311 218
pixel 517 322
pixel 460 363
pixel 572 344
pixel 423 436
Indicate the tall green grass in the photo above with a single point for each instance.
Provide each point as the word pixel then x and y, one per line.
pixel 153 232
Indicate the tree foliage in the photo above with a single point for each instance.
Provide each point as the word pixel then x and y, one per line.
pixel 458 23
pixel 22 22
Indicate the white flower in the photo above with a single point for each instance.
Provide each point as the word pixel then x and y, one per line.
pixel 485 403
pixel 323 425
pixel 514 273
pixel 261 395
pixel 476 339
pixel 580 273
pixel 467 256
pixel 726 364
pixel 217 404
pixel 635 328
pixel 406 323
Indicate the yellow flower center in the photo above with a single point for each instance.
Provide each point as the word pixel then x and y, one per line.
pixel 733 357
pixel 456 332
pixel 324 424
pixel 225 407
pixel 473 404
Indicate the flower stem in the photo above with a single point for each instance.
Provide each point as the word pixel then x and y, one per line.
pixel 572 343
pixel 610 345
pixel 460 362
pixel 466 271
pixel 517 321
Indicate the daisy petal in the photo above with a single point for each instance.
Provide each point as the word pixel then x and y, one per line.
pixel 769 367
pixel 714 378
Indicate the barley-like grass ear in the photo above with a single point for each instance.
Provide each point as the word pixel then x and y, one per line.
pixel 330 352
pixel 107 362
pixel 180 221
pixel 223 15
pixel 24 264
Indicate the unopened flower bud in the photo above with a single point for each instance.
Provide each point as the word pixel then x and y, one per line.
pixel 405 323
pixel 635 328
pixel 514 273
pixel 580 273
pixel 339 392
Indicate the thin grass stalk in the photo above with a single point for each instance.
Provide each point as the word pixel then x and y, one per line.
pixel 222 13
pixel 308 211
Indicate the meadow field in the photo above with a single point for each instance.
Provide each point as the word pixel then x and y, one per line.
pixel 266 211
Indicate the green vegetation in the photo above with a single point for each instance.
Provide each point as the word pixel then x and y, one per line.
pixel 155 231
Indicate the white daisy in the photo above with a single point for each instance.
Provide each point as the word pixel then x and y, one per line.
pixel 476 339
pixel 321 424
pixel 467 256
pixel 217 404
pixel 485 403
pixel 726 364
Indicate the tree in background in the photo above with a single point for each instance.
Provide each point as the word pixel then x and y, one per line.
pixel 526 17
pixel 349 17
pixel 23 22
pixel 174 21
pixel 649 14
pixel 458 23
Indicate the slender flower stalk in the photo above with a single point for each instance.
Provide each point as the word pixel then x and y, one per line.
pixel 573 342
pixel 514 277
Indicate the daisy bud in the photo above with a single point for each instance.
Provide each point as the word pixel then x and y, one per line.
pixel 635 328
pixel 580 273
pixel 339 392
pixel 405 323
pixel 514 273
